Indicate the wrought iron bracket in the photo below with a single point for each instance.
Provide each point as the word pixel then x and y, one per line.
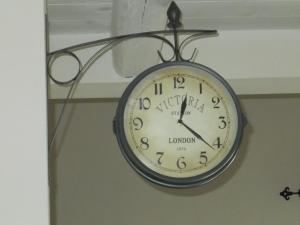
pixel 174 23
pixel 286 193
pixel 106 44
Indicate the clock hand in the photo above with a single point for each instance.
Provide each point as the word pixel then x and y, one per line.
pixel 182 108
pixel 195 133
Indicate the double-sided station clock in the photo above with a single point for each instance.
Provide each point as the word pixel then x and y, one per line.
pixel 179 124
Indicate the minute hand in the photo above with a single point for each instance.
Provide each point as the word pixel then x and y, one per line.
pixel 195 133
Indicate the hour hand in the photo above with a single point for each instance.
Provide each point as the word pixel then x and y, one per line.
pixel 195 133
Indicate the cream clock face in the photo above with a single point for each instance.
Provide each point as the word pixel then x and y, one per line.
pixel 180 124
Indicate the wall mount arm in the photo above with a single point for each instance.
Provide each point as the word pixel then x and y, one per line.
pixel 174 16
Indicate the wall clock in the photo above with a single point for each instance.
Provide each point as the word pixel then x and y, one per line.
pixel 179 124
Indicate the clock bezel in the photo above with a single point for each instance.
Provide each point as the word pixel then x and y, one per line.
pixel 161 179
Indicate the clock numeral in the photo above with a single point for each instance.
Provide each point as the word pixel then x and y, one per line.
pixel 223 122
pixel 200 88
pixel 217 143
pixel 144 143
pixel 181 164
pixel 216 100
pixel 145 103
pixel 178 82
pixel 137 123
pixel 160 155
pixel 158 88
pixel 203 158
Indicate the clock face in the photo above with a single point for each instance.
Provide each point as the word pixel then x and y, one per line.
pixel 180 124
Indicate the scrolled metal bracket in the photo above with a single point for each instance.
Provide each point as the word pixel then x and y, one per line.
pixel 174 16
pixel 286 193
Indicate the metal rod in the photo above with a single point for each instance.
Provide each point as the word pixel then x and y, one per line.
pixel 129 36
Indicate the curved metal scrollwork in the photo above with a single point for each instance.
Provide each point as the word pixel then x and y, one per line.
pixel 107 44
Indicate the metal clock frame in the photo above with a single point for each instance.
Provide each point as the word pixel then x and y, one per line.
pixel 159 178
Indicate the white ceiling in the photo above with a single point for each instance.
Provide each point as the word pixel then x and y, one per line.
pixel 95 16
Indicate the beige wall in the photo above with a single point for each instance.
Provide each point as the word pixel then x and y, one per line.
pixel 93 184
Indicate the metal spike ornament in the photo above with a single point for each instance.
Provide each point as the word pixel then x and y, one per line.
pixel 174 16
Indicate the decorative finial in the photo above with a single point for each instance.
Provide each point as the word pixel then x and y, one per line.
pixel 286 193
pixel 174 16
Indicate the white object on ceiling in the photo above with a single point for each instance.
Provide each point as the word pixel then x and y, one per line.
pixel 134 16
